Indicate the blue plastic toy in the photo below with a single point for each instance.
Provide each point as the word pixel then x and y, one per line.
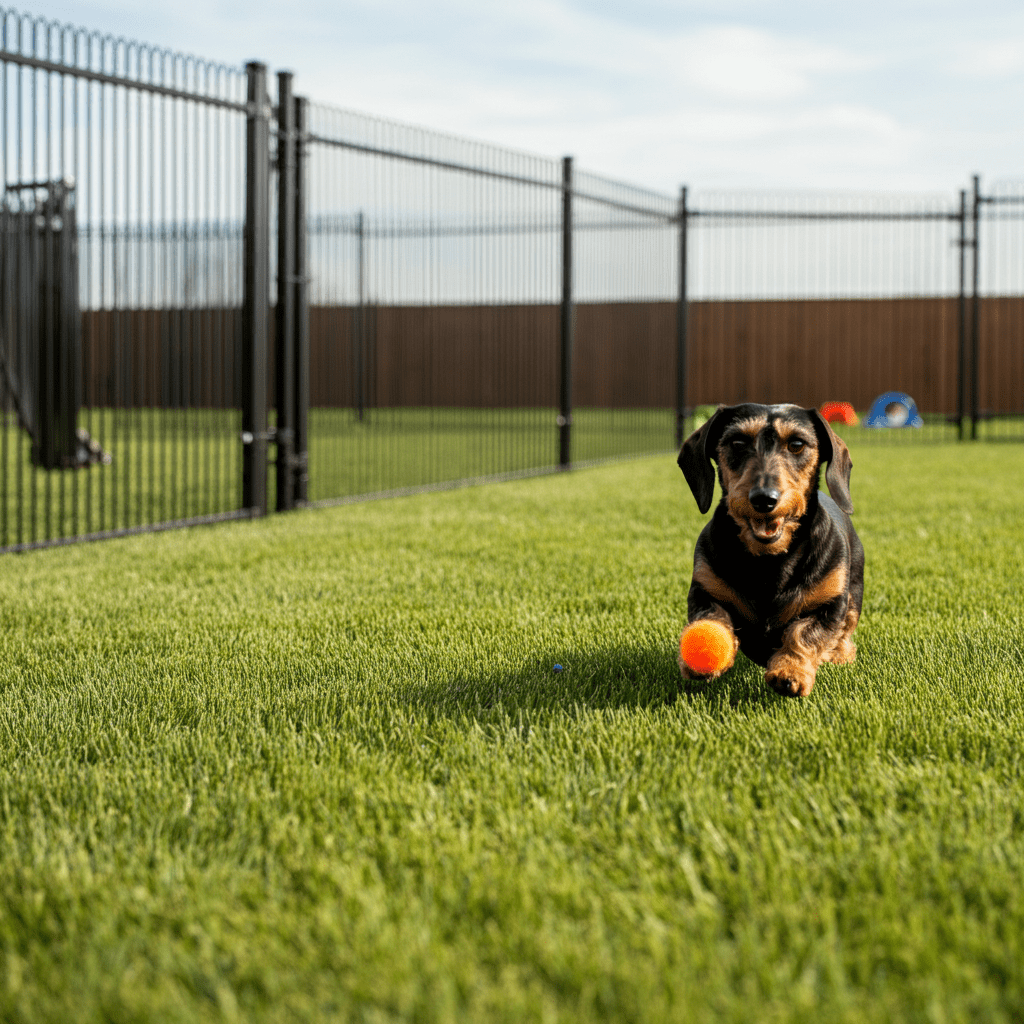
pixel 894 409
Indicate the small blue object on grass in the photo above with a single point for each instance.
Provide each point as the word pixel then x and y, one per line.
pixel 894 409
pixel 557 668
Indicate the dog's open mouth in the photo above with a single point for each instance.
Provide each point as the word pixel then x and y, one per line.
pixel 767 531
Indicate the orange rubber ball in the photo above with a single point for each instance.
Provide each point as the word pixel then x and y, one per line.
pixel 706 646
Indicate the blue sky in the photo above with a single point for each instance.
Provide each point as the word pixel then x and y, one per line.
pixel 738 93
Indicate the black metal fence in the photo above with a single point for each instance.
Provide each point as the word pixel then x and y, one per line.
pixel 844 298
pixel 994 340
pixel 120 265
pixel 449 283
pixel 212 305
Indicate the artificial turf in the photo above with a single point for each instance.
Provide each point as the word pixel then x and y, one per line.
pixel 320 767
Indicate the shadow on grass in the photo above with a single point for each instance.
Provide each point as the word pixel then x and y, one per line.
pixel 639 677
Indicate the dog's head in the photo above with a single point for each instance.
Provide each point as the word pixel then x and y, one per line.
pixel 769 457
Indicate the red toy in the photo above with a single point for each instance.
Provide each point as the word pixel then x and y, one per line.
pixel 839 412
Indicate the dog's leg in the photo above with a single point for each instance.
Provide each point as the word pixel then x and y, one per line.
pixel 845 650
pixel 709 598
pixel 792 668
pixel 806 643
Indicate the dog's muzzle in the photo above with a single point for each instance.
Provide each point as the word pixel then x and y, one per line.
pixel 767 531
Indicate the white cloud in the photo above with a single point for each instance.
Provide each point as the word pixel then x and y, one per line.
pixel 743 63
pixel 991 59
pixel 735 61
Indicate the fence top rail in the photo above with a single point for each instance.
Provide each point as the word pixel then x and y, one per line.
pixel 822 205
pixel 348 223
pixel 62 49
pixel 826 215
pixel 625 196
pixel 638 202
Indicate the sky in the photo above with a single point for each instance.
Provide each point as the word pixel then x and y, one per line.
pixel 877 96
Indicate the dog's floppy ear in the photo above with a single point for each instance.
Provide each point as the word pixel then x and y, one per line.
pixel 696 454
pixel 831 449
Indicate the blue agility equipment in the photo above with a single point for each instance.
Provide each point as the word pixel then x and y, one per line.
pixel 894 409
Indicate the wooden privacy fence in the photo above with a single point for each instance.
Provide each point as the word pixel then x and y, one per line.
pixel 804 351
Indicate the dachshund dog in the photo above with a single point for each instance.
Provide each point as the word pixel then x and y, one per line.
pixel 780 563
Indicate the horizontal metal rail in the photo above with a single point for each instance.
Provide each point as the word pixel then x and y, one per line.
pixel 616 204
pixel 429 161
pixel 826 215
pixel 161 233
pixel 476 481
pixel 131 531
pixel 348 225
pixel 483 172
pixel 170 92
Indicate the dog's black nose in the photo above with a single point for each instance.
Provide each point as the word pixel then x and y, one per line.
pixel 764 500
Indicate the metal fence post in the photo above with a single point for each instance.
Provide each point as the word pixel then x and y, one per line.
pixel 566 322
pixel 975 308
pixel 256 298
pixel 682 322
pixel 359 334
pixel 961 364
pixel 300 380
pixel 284 338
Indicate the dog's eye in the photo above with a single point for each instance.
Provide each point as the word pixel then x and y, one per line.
pixel 737 445
pixel 796 447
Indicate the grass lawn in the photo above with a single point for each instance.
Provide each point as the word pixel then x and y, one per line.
pixel 174 464
pixel 319 767
pixel 411 447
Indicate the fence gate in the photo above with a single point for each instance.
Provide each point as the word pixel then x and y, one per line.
pixel 121 285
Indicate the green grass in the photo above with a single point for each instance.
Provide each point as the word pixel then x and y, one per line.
pixel 167 464
pixel 410 447
pixel 177 464
pixel 319 768
pixel 174 464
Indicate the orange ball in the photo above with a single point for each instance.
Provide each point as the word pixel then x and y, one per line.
pixel 706 646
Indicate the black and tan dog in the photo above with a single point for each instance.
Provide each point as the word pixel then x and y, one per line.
pixel 780 563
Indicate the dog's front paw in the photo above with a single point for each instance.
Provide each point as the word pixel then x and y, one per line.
pixel 790 677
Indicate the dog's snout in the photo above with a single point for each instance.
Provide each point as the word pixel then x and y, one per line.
pixel 763 499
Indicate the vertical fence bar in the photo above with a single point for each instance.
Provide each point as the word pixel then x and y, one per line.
pixel 359 332
pixel 6 298
pixel 682 320
pixel 961 373
pixel 284 364
pixel 256 298
pixel 300 284
pixel 566 322
pixel 975 306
